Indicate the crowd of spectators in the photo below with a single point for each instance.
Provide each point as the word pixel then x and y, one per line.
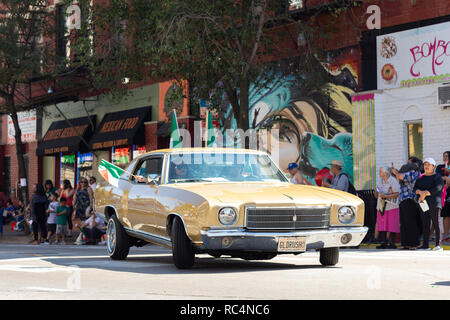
pixel 54 215
pixel 410 202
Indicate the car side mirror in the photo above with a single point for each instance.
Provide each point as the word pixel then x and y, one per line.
pixel 153 179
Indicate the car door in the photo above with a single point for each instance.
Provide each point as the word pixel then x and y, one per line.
pixel 141 199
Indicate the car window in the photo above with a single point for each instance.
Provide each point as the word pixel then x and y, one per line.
pixel 221 167
pixel 126 174
pixel 148 169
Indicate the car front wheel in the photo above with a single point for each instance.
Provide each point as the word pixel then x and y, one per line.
pixel 329 256
pixel 182 249
pixel 117 242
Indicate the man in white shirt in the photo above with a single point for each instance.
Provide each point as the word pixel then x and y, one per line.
pixel 93 228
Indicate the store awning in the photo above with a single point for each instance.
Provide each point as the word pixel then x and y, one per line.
pixel 70 135
pixel 121 129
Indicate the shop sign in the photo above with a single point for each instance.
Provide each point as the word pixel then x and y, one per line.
pixel 27 124
pixel 69 159
pixel 139 151
pixel 414 57
pixel 109 144
pixel 65 132
pixel 121 156
pixel 56 150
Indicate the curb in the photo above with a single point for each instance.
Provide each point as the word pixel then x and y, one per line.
pixel 374 245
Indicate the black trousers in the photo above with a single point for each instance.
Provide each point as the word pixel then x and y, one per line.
pixel 93 234
pixel 69 218
pixel 40 221
pixel 431 215
pixel 409 226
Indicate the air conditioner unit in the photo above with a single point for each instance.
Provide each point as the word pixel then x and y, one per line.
pixel 444 96
pixel 297 4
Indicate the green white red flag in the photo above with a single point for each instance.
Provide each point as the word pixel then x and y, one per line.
pixel 110 172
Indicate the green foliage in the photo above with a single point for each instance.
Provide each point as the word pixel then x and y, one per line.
pixel 220 46
pixel 24 28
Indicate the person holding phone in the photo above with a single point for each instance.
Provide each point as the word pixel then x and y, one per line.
pixel 428 189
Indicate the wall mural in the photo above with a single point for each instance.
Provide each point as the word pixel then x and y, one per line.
pixel 315 124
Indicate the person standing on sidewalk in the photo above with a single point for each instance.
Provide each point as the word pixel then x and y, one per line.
pixel 62 215
pixel 38 207
pixel 388 223
pixel 68 192
pixel 296 175
pixel 82 201
pixel 409 227
pixel 428 188
pixel 340 180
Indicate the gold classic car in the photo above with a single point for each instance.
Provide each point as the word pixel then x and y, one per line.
pixel 230 202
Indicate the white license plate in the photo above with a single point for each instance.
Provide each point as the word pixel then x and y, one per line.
pixel 292 244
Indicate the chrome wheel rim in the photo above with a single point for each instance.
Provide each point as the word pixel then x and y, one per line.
pixel 111 236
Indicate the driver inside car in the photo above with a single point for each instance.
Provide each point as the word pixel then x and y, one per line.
pixel 180 171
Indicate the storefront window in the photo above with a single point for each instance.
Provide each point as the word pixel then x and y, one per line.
pixel 121 156
pixel 415 141
pixel 68 168
pixel 85 161
pixel 138 150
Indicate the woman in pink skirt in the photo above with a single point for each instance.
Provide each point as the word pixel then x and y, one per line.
pixel 388 220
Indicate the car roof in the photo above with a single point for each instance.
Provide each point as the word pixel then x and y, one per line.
pixel 208 149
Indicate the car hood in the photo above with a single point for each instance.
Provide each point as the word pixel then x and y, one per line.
pixel 266 193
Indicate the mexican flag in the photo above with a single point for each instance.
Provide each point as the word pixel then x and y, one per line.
pixel 110 172
pixel 210 137
pixel 175 139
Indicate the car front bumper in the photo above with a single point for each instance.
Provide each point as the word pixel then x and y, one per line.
pixel 267 241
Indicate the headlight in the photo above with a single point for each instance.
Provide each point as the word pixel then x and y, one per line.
pixel 227 216
pixel 346 215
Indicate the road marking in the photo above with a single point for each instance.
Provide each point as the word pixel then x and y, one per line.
pixel 35 269
pixel 49 289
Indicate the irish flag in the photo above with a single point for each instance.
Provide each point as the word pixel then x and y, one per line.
pixel 110 172
pixel 175 139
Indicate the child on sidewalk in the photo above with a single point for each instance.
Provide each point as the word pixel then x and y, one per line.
pixel 51 212
pixel 8 214
pixel 61 221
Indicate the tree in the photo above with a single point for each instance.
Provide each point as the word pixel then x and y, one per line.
pixel 223 47
pixel 24 55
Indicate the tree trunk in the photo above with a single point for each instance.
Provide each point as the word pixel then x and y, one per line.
pixel 243 117
pixel 23 194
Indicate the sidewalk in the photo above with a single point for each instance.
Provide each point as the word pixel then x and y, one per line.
pixel 444 245
pixel 19 237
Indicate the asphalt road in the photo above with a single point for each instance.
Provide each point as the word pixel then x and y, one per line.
pixel 85 272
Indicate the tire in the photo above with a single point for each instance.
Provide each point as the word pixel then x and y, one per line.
pixel 182 251
pixel 329 256
pixel 117 240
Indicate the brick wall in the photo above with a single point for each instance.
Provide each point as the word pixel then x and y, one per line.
pixel 34 165
pixel 393 108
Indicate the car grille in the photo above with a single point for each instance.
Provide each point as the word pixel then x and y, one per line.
pixel 298 218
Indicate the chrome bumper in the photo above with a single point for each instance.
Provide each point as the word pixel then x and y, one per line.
pixel 244 240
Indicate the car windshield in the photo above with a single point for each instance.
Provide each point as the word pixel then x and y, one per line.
pixel 222 167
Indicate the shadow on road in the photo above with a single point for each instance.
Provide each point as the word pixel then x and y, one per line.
pixel 162 264
pixel 442 283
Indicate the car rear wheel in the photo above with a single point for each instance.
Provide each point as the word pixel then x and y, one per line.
pixel 329 256
pixel 182 250
pixel 117 242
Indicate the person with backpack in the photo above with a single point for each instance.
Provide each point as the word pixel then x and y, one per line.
pixel 340 180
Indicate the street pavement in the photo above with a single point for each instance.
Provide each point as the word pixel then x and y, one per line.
pixel 86 272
